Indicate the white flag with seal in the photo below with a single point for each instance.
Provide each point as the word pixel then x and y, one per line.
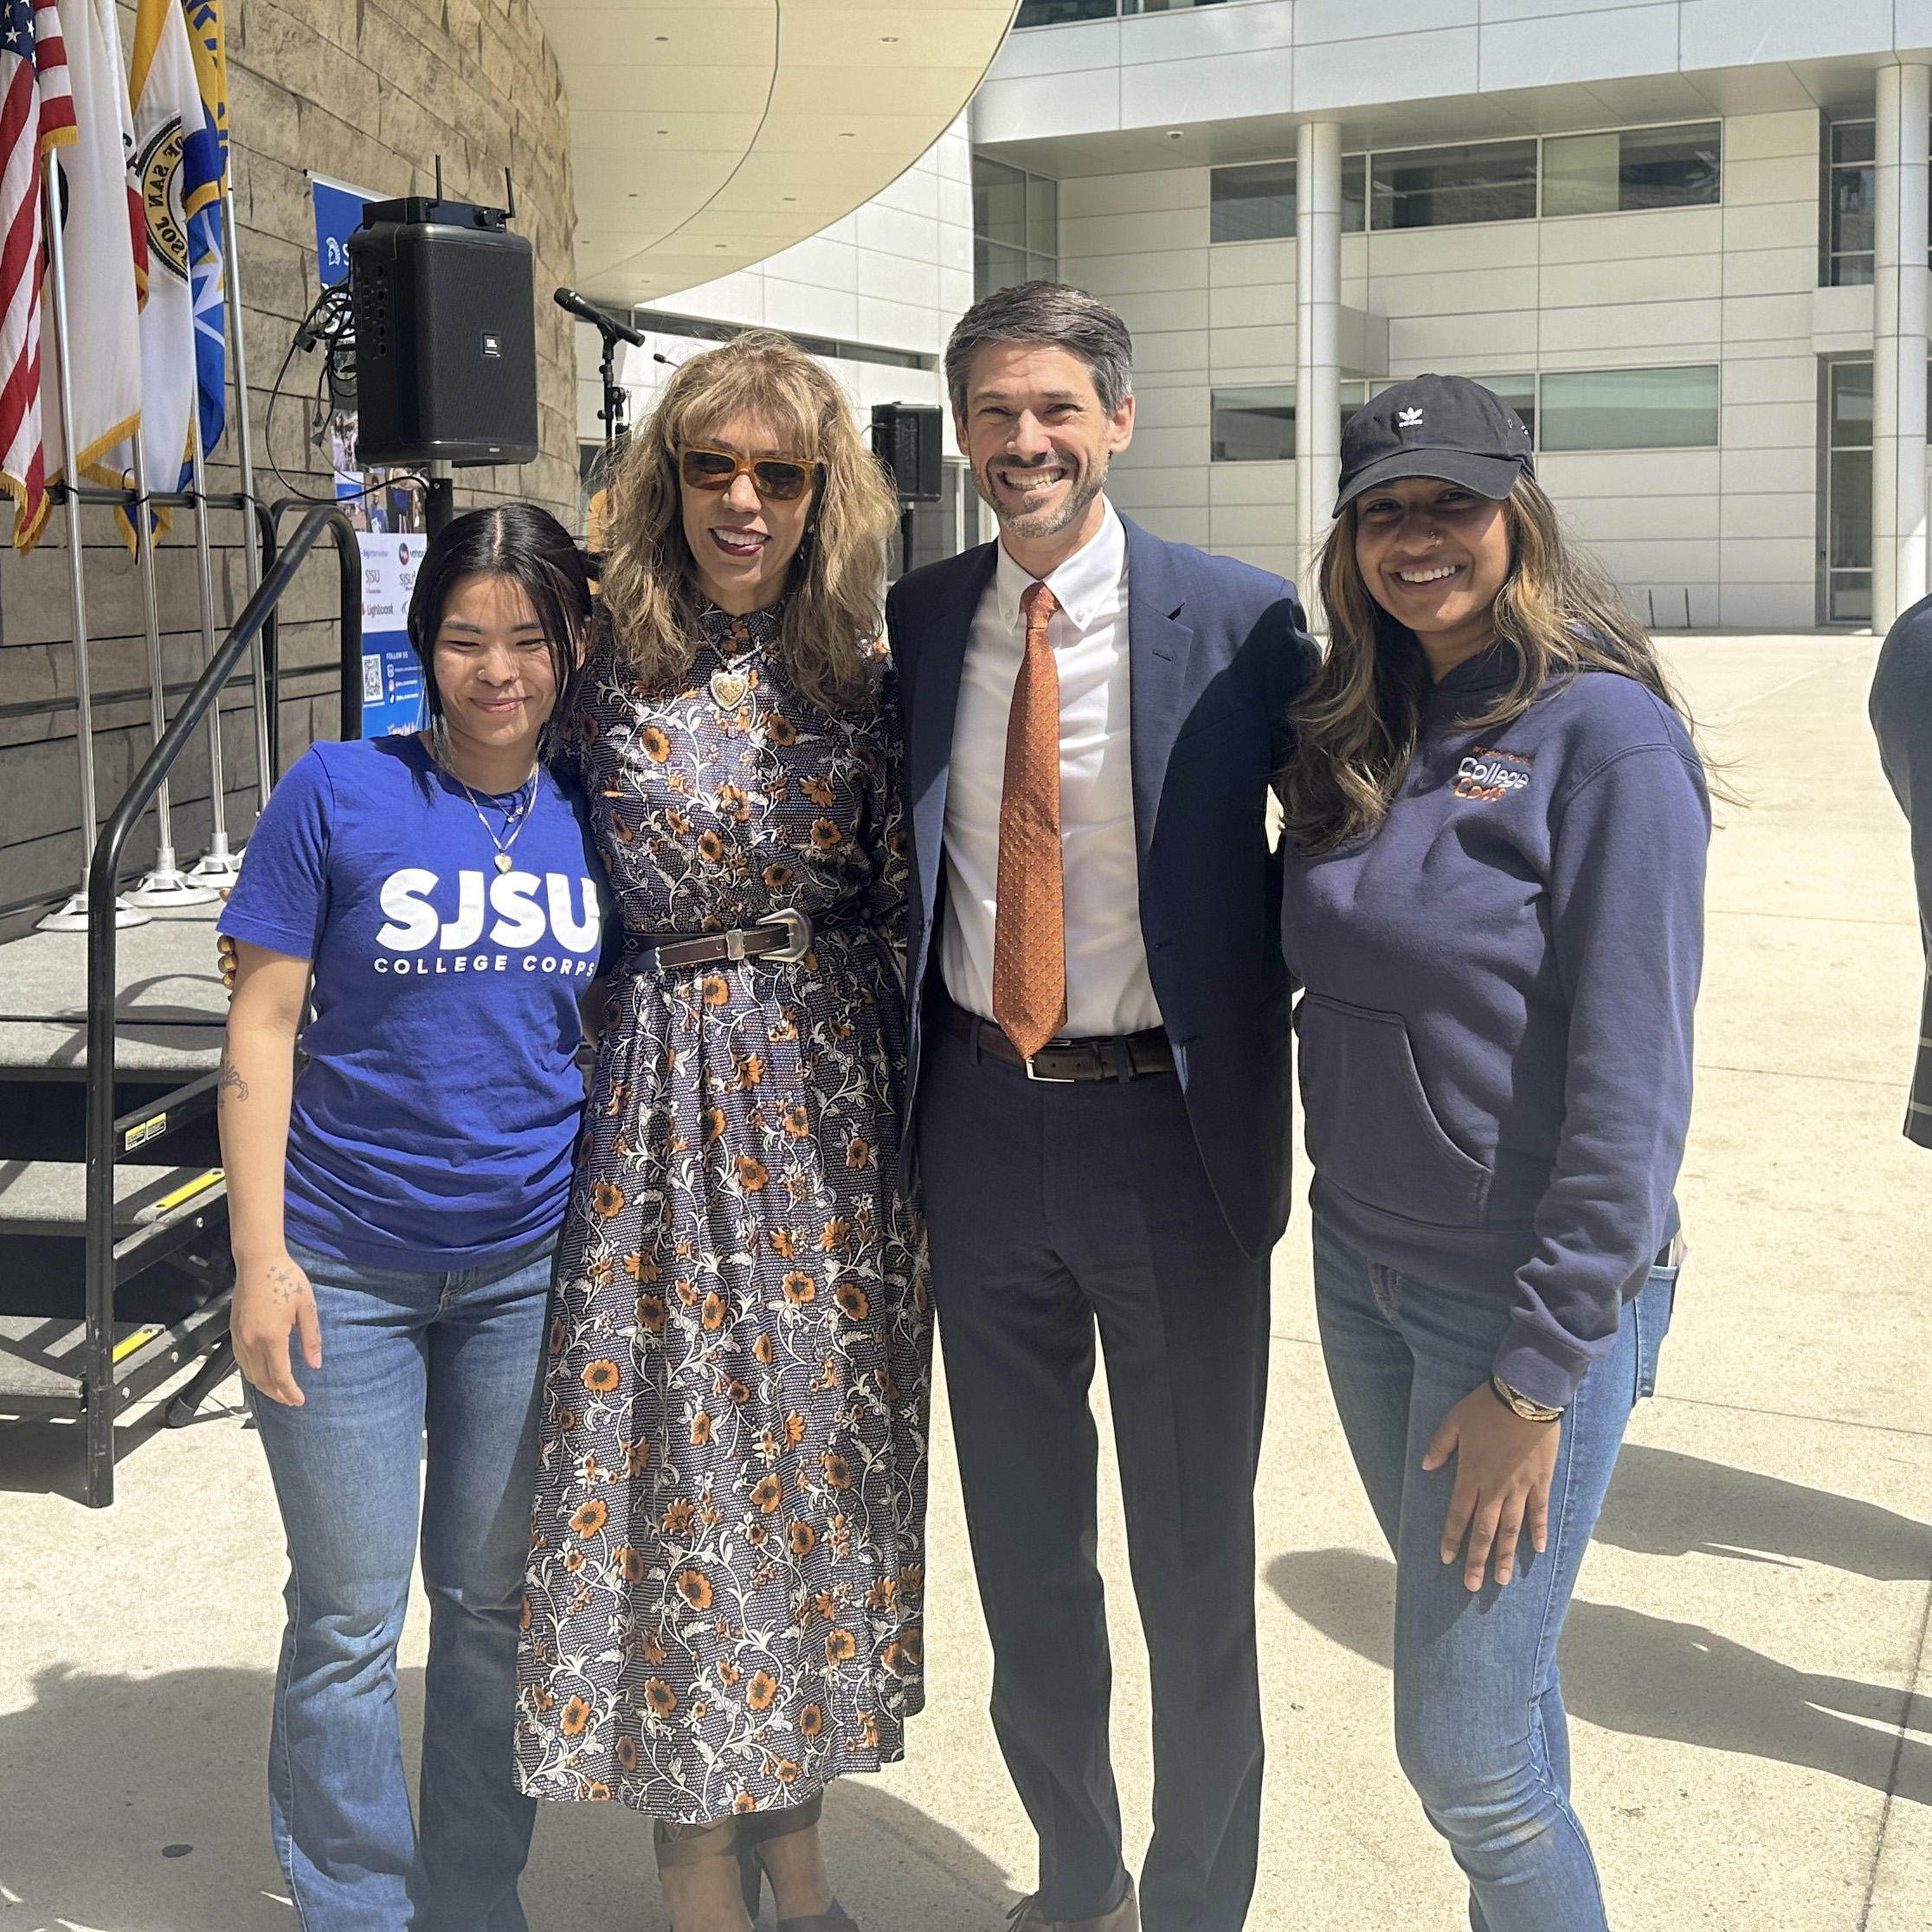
pixel 97 234
pixel 168 114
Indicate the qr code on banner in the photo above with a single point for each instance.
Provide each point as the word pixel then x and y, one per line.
pixel 372 681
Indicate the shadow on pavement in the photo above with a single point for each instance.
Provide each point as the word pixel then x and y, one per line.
pixel 138 1805
pixel 1667 1505
pixel 1655 1678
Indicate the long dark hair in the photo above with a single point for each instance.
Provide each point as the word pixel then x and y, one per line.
pixel 1356 726
pixel 524 543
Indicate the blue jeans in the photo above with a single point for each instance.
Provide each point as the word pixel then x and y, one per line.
pixel 458 1355
pixel 1480 1724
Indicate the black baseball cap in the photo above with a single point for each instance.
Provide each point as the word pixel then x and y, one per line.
pixel 1441 426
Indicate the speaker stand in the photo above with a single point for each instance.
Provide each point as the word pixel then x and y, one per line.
pixel 439 503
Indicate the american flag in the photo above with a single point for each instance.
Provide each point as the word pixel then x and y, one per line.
pixel 37 116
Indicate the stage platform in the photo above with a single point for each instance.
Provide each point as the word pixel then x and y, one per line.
pixel 170 1235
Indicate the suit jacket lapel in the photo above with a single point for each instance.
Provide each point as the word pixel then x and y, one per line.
pixel 929 726
pixel 1157 648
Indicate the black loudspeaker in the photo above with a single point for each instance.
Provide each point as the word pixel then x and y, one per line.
pixel 905 439
pixel 445 305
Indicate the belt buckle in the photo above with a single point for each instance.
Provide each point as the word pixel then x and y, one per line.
pixel 1048 1079
pixel 795 923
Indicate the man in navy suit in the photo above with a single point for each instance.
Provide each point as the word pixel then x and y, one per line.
pixel 1100 1117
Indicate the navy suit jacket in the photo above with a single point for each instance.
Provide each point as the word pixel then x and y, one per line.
pixel 1218 651
pixel 1902 718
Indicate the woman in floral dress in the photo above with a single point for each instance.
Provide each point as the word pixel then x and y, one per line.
pixel 724 1598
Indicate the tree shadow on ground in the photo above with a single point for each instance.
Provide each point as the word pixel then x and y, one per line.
pixel 139 1805
pixel 1666 1505
pixel 1655 1678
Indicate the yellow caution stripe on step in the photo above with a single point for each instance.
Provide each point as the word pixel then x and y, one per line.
pixel 139 1339
pixel 187 1191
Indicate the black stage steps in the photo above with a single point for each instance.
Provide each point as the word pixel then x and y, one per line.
pixel 171 1269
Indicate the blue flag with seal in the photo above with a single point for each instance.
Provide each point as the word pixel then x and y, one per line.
pixel 203 172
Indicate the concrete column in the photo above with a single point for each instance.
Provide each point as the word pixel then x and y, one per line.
pixel 1317 328
pixel 1898 345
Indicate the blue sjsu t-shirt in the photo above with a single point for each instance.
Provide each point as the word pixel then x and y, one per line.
pixel 434 1122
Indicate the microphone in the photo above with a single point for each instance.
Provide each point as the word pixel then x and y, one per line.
pixel 587 311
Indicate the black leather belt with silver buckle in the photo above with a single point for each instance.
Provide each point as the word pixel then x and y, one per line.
pixel 1061 1063
pixel 782 937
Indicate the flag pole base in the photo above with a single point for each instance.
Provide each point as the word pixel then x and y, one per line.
pixel 73 917
pixel 217 862
pixel 166 885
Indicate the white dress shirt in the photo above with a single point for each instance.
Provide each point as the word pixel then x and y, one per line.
pixel 1108 990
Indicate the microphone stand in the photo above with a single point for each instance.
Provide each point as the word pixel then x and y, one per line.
pixel 617 401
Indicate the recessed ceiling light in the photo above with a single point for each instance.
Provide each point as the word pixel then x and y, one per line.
pixel 1175 133
pixel 848 134
pixel 661 38
pixel 791 197
pixel 889 40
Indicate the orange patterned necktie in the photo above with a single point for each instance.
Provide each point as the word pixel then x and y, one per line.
pixel 1029 931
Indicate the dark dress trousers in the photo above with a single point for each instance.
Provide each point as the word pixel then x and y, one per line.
pixel 1145 1209
pixel 1901 717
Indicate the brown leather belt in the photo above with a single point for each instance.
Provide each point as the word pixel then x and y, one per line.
pixel 1062 1062
pixel 783 937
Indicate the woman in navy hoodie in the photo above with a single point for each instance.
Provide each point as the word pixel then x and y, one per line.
pixel 1496 829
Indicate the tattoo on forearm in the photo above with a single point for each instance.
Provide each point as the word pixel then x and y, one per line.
pixel 230 1081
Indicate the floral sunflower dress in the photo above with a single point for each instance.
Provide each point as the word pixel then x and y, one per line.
pixel 722 1605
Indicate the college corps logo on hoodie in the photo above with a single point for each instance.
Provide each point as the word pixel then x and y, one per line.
pixel 1488 774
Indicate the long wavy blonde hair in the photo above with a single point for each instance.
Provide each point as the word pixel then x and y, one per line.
pixel 650 593
pixel 1357 725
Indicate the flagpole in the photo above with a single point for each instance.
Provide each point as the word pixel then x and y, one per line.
pixel 72 916
pixel 165 883
pixel 217 862
pixel 238 368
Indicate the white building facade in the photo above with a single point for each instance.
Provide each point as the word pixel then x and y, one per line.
pixel 1687 238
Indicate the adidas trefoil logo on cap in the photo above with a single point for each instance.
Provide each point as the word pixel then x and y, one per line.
pixel 1408 419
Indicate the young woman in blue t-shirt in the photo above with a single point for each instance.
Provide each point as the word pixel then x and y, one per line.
pixel 393 1209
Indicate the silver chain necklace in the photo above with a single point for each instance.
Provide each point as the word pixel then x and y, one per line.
pixel 514 820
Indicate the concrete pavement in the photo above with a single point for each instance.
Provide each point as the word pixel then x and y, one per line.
pixel 1747 1662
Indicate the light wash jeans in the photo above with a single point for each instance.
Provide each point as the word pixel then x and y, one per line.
pixel 1479 1725
pixel 459 1355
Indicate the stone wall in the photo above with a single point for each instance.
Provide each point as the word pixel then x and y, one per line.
pixel 370 92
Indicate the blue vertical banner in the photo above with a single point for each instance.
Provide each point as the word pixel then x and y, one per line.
pixel 371 500
pixel 392 676
pixel 338 212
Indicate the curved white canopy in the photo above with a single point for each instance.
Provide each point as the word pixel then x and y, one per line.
pixel 706 135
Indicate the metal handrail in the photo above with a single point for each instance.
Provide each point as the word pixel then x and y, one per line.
pixel 103 875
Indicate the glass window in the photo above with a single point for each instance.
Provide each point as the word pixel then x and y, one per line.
pixel 1056 13
pixel 1580 174
pixel 1252 204
pixel 1355 193
pixel 1630 408
pixel 1043 217
pixel 1254 425
pixel 1491 181
pixel 1256 203
pixel 1848 493
pixel 1850 201
pixel 1633 168
pixel 1015 225
pixel 1850 405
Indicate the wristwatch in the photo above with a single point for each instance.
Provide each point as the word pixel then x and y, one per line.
pixel 1520 1404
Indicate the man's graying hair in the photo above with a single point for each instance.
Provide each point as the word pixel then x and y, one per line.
pixel 1055 315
